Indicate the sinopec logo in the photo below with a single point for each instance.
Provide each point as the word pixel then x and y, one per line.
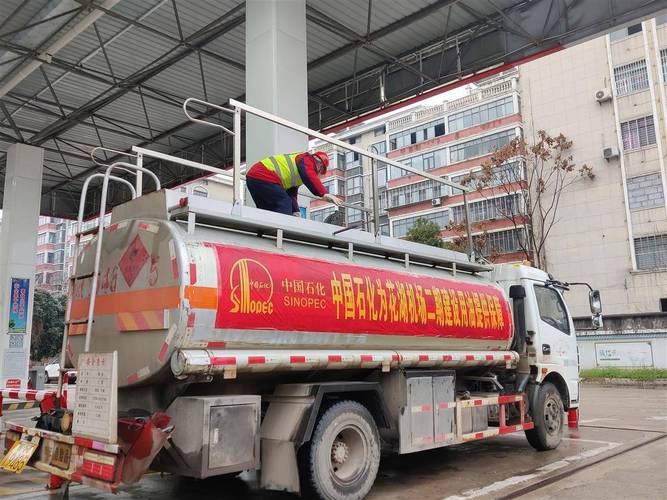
pixel 251 288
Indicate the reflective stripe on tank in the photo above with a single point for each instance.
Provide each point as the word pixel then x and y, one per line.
pixel 146 300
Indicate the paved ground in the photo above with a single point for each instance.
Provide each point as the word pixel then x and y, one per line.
pixel 619 452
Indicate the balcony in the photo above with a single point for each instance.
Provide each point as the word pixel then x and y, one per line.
pixel 477 96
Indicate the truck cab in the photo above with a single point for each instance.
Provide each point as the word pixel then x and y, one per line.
pixel 552 353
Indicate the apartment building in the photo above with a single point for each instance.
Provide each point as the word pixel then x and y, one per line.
pixel 451 140
pixel 609 96
pixel 50 255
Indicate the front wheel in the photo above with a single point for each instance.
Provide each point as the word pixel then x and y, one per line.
pixel 548 417
pixel 342 458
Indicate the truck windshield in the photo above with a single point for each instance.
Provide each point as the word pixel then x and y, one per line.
pixel 552 309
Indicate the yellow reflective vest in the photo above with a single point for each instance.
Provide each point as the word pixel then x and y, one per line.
pixel 285 168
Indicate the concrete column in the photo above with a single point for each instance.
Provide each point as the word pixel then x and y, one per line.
pixel 276 75
pixel 18 243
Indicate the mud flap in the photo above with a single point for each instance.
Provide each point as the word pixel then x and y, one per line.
pixel 142 439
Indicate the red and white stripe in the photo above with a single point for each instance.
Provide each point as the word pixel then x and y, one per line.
pixel 422 408
pixel 27 394
pixel 139 374
pixel 493 400
pixel 165 345
pixel 496 431
pixel 174 262
pixel 216 360
pixel 148 226
pixel 78 441
pixel 96 445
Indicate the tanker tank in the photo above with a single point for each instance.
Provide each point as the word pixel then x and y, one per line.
pixel 227 283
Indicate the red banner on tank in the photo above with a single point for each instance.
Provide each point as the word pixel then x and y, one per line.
pixel 266 291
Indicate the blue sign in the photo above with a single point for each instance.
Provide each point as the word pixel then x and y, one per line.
pixel 18 305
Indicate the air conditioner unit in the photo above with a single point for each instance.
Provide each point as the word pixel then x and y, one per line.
pixel 436 202
pixel 603 95
pixel 610 153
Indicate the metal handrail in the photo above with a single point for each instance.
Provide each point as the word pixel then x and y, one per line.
pixel 84 192
pixel 109 150
pixel 208 105
pixel 237 106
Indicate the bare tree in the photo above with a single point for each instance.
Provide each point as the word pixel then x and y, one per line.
pixel 541 173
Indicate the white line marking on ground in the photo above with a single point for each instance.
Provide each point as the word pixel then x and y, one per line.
pixel 540 472
pixel 590 441
pixel 591 420
pixel 656 418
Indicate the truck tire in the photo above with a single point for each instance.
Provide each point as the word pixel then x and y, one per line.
pixel 548 417
pixel 342 458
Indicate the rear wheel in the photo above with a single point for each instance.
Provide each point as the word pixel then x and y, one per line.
pixel 548 417
pixel 342 458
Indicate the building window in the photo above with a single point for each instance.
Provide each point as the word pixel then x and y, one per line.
pixel 382 176
pixel 480 114
pixel 663 62
pixel 183 189
pixel 426 161
pixel 625 32
pixel 335 186
pixel 504 174
pixel 638 133
pixel 402 226
pixel 631 77
pixel 354 185
pixel 651 251
pixel 502 242
pixel 663 305
pixel 496 208
pixel 645 191
pixel 200 191
pixel 379 131
pixel 480 146
pixel 340 161
pixel 417 134
pixel 415 193
pixel 354 215
pixel 352 157
pixel 379 148
pixel 320 215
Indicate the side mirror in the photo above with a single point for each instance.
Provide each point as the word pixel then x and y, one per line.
pixel 595 302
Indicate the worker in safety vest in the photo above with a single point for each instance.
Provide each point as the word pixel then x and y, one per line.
pixel 274 181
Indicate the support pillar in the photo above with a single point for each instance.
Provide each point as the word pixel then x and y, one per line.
pixel 18 243
pixel 276 75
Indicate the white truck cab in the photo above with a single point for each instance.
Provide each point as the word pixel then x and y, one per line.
pixel 550 335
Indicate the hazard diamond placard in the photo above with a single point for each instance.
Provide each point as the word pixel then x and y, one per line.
pixel 133 260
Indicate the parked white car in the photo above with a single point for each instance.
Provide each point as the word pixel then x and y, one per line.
pixel 52 372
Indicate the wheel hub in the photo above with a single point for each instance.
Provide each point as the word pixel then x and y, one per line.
pixel 340 452
pixel 552 416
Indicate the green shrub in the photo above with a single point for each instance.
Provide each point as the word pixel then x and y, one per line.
pixel 632 373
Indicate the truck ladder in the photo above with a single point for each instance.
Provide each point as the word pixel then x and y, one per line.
pixel 76 324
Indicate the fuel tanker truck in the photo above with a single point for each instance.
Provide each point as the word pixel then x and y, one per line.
pixel 224 338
